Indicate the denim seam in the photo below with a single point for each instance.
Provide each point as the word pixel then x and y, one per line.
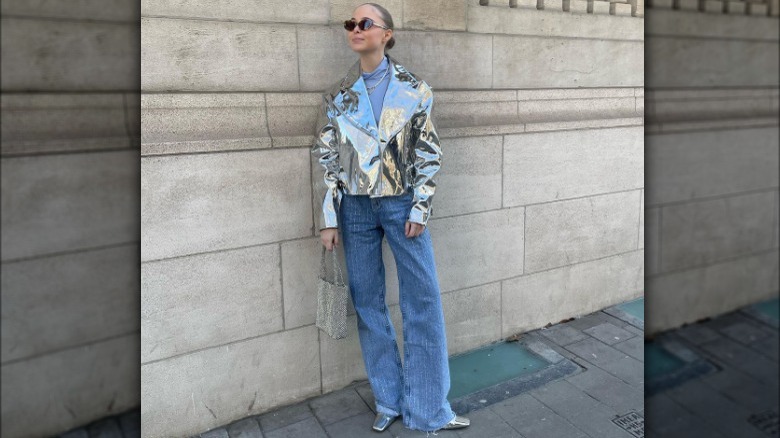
pixel 406 390
pixel 383 309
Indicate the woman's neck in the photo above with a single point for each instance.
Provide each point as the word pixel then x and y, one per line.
pixel 369 62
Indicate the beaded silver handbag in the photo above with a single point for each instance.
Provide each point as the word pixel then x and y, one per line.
pixel 332 300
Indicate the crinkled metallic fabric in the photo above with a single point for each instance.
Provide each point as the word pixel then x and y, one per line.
pixel 353 154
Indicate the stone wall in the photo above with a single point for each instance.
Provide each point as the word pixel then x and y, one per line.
pixel 546 98
pixel 539 207
pixel 711 160
pixel 70 202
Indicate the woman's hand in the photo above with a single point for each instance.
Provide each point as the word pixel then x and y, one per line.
pixel 413 229
pixel 330 238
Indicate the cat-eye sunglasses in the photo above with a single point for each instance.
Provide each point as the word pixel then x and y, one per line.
pixel 363 24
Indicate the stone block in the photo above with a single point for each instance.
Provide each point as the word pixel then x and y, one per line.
pixel 755 276
pixel 600 7
pixel 621 9
pixel 202 202
pixel 69 202
pixel 478 248
pixel 208 388
pixel 687 166
pixel 67 300
pixel 342 359
pixel 714 6
pixel 211 299
pixel 341 10
pixel 553 166
pixel 181 123
pixel 471 326
pixel 434 15
pixel 565 63
pixel 593 226
pixel 703 232
pixel 534 300
pixel 95 10
pixel 688 5
pixel 72 386
pixel 199 55
pixel 470 181
pixel 62 55
pixel 282 11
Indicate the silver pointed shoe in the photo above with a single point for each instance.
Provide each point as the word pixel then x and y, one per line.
pixel 457 423
pixel 383 421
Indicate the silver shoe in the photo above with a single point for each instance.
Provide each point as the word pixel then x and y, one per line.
pixel 457 423
pixel 383 421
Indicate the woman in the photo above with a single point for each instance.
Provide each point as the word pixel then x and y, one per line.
pixel 375 157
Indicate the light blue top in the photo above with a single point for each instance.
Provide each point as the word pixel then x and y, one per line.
pixel 377 97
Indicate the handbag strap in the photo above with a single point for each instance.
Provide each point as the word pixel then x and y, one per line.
pixel 336 265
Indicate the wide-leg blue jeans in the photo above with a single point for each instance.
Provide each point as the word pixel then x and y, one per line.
pixel 418 388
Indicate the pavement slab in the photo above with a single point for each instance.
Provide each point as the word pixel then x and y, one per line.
pixel 603 398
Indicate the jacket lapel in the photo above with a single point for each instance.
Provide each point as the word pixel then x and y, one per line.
pixel 400 101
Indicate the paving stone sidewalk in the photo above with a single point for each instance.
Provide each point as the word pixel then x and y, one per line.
pixel 740 398
pixel 609 350
pixel 609 386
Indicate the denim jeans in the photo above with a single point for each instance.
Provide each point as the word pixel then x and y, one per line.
pixel 417 389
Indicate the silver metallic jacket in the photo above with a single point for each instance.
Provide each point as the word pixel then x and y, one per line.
pixel 355 156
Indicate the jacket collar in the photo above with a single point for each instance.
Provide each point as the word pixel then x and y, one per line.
pixel 400 101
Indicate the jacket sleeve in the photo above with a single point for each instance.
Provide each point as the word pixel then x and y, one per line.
pixel 327 194
pixel 427 161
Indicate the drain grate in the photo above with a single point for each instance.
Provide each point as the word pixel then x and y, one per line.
pixel 765 422
pixel 632 423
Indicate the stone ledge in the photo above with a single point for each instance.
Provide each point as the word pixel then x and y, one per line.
pixel 676 107
pixel 176 123
pixel 224 145
pixel 597 7
pixel 274 120
pixel 64 122
pixel 675 23
pixel 708 125
pixel 583 19
pixel 751 8
pixel 88 10
pixel 57 146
